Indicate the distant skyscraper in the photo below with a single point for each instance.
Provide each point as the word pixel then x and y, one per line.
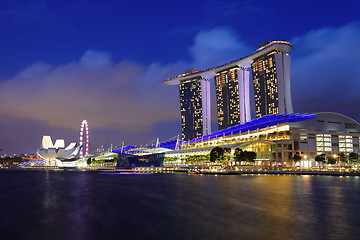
pixel 271 77
pixel 195 108
pixel 232 97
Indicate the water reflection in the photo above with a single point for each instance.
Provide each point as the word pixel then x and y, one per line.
pixel 83 206
pixel 274 204
pixel 86 205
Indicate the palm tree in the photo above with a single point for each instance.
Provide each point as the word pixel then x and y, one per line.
pixel 332 160
pixel 343 157
pixel 296 158
pixel 353 157
pixel 320 159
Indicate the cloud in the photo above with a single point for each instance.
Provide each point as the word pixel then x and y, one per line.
pixel 21 135
pixel 95 59
pixel 325 72
pixel 126 98
pixel 126 95
pixel 93 88
pixel 216 46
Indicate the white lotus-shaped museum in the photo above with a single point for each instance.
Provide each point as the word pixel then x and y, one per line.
pixel 50 151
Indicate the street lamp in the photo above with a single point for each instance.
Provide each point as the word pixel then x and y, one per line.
pixel 335 156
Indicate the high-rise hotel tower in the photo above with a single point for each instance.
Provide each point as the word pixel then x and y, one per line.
pixel 195 108
pixel 232 97
pixel 270 67
pixel 271 76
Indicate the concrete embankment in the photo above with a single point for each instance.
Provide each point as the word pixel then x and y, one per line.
pixel 258 171
pixel 217 172
pixel 283 172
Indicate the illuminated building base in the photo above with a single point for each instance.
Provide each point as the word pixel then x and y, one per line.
pixel 277 138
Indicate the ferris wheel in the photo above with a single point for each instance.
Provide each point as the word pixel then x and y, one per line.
pixel 84 126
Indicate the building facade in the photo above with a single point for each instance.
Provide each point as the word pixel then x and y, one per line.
pixel 277 138
pixel 271 78
pixel 327 133
pixel 195 108
pixel 232 97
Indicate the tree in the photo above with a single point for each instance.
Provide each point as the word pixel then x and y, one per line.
pixel 217 153
pixel 250 156
pixel 244 156
pixel 239 156
pixel 353 157
pixel 332 160
pixel 320 158
pixel 296 158
pixel 227 152
pixel 343 157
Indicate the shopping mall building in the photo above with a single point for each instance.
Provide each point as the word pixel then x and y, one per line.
pixel 277 138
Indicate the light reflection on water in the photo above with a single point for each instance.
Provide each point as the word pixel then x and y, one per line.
pixel 87 205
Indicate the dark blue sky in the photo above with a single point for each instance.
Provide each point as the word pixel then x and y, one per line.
pixel 57 32
pixel 64 61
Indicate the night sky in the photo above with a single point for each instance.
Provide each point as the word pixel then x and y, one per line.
pixel 104 61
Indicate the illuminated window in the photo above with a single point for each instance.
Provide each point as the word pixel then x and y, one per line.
pixel 323 142
pixel 345 144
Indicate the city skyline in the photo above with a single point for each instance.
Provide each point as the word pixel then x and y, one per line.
pixel 54 75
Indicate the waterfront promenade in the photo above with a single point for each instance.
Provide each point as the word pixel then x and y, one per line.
pixel 319 172
pixel 246 170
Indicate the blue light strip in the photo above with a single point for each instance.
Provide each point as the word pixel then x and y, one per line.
pixel 258 123
pixel 169 144
pixel 126 148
